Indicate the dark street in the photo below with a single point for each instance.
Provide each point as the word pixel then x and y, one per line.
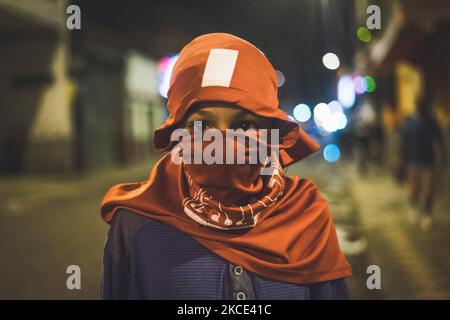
pixel 357 92
pixel 56 223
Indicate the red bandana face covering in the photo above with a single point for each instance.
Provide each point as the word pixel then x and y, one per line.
pixel 276 226
pixel 231 196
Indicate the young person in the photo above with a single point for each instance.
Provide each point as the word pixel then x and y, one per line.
pixel 223 231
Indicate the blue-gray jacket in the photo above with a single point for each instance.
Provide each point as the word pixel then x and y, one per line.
pixel 148 259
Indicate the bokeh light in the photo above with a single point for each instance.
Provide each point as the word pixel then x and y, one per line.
pixel 165 67
pixel 334 121
pixel 341 120
pixel 369 84
pixel 358 83
pixel 320 112
pixel 302 112
pixel 331 61
pixel 364 34
pixel 281 79
pixel 335 106
pixel 329 123
pixel 331 153
pixel 346 91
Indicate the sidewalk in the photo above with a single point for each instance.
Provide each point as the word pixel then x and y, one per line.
pixel 371 220
pixel 48 223
pixel 414 264
pixel 334 182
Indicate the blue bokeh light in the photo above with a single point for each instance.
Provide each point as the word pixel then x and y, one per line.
pixel 331 153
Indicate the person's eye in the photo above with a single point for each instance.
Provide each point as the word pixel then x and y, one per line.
pixel 198 124
pixel 246 125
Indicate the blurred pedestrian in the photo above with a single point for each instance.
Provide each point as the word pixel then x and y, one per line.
pixel 422 150
pixel 367 146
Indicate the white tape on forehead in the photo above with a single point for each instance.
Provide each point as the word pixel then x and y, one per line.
pixel 219 67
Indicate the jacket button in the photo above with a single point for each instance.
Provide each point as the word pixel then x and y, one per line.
pixel 240 295
pixel 238 270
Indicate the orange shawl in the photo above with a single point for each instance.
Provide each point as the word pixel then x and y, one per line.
pixel 294 241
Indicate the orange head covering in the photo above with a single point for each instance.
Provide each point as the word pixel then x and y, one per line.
pixel 287 234
pixel 223 67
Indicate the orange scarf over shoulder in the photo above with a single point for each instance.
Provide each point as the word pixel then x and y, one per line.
pixel 294 240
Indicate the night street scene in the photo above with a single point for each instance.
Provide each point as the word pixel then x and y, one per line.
pixel 356 207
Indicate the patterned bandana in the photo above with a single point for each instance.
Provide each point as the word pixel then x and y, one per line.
pixel 206 210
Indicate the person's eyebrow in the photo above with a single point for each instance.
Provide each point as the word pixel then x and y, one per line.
pixel 247 116
pixel 243 114
pixel 213 114
pixel 198 116
pixel 204 113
